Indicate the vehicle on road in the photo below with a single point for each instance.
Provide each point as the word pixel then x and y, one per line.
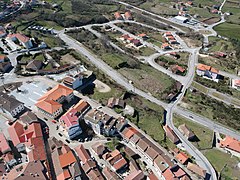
pixel 54 121
pixel 60 134
pixel 67 141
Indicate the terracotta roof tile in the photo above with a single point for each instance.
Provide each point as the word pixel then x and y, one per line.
pixel 67 159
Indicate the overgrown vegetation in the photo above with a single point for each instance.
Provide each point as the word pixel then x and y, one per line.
pixel 222 86
pixel 212 109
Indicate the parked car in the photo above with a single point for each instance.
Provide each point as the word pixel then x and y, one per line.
pixel 54 121
pixel 60 134
pixel 67 140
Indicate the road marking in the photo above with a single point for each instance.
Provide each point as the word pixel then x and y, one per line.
pixel 34 85
pixel 37 93
pixel 32 100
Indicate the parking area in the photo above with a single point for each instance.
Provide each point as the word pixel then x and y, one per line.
pixel 30 92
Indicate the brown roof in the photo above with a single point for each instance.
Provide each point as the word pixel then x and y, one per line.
pixel 196 169
pixel 29 117
pixel 109 174
pixel 152 153
pixel 135 138
pixel 170 134
pixel 136 175
pixel 186 131
pixel 94 174
pixel 152 176
pixel 34 65
pixel 98 148
pixel 32 170
pixel 128 132
pixel 160 163
pixel 82 153
pixel 128 15
pixel 119 164
pixel 142 144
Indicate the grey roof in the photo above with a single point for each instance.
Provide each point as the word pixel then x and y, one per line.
pixel 29 117
pixel 9 103
pixel 34 65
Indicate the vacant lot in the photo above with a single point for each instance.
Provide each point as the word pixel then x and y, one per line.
pixel 211 20
pixel 228 30
pixel 212 109
pixel 223 162
pixel 204 135
pixel 142 75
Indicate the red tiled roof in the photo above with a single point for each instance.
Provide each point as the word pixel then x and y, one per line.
pixel 182 157
pixel 129 132
pixel 82 153
pixel 70 118
pixel 37 149
pixel 20 37
pixel 230 143
pixel 4 146
pixel 119 164
pixel 128 15
pixel 167 174
pixel 67 159
pixel 48 101
pixel 135 175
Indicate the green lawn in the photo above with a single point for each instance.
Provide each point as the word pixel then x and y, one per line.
pixel 228 30
pixel 219 159
pixel 199 87
pixel 204 134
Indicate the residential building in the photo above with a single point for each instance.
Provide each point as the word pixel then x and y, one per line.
pixel 128 15
pixel 11 105
pixel 22 39
pixel 171 135
pixel 64 162
pixel 70 120
pixel 28 118
pixel 143 36
pixel 74 81
pixel 176 69
pixel 207 72
pixel 89 166
pixel 196 169
pixel 98 149
pixel 160 164
pixel 118 16
pixel 135 175
pixel 220 54
pixel 116 160
pixel 236 83
pixel 34 65
pixel 166 46
pixel 51 103
pixel 4 146
pixel 231 145
pixel 115 102
pixel 182 157
pixel 136 43
pixel 3 58
pixel 186 132
pixel 28 139
pixel 109 174
pixel 5 66
pixel 178 171
pixel 128 132
pixel 25 171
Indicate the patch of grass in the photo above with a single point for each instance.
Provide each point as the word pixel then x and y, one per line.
pixel 204 134
pixel 228 30
pixel 221 160
pixel 146 51
pixel 199 87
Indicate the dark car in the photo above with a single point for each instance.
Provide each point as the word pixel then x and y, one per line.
pixel 67 140
pixel 60 134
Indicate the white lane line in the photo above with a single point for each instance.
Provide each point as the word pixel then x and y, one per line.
pixel 37 93
pixel 32 100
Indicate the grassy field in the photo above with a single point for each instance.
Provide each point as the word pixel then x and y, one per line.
pixel 204 134
pixel 199 87
pixel 225 162
pixel 212 109
pixel 228 30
